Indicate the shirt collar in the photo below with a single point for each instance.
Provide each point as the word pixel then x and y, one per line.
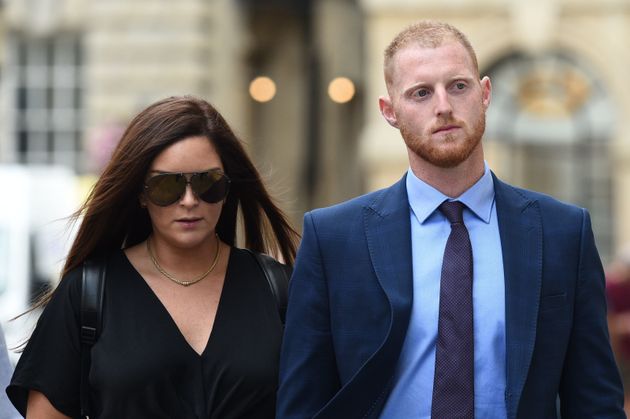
pixel 424 198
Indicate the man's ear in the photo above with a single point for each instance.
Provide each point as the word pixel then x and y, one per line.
pixel 142 200
pixel 387 110
pixel 486 91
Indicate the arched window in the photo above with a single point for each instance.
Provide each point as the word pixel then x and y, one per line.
pixel 548 129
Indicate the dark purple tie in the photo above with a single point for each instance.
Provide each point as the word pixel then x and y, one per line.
pixel 453 385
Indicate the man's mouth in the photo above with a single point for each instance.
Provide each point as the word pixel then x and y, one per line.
pixel 445 128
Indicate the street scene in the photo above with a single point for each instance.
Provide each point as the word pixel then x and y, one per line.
pixel 299 83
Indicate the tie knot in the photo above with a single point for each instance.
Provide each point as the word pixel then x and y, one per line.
pixel 453 211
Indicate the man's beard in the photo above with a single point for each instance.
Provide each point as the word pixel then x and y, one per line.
pixel 433 151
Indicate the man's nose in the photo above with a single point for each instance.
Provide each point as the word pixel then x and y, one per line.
pixel 442 103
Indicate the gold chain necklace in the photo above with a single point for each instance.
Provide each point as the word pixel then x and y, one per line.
pixel 177 281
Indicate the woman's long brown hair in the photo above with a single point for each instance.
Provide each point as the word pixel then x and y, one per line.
pixel 111 218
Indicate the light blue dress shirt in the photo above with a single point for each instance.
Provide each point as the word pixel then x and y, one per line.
pixel 413 381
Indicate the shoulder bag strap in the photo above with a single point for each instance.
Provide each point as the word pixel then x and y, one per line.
pixel 92 286
pixel 277 275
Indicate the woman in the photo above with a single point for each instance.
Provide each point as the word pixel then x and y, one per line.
pixel 189 327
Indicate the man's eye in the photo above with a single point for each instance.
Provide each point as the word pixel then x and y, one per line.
pixel 422 92
pixel 460 86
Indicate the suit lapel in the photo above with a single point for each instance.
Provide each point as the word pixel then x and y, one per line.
pixel 388 233
pixel 520 228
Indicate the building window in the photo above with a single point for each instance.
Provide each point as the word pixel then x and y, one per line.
pixel 48 121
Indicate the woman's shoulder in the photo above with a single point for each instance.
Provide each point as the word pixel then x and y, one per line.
pixel 253 259
pixel 71 282
pixel 252 254
pixel 69 285
pixel 259 264
pixel 241 257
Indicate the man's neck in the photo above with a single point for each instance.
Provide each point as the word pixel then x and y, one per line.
pixel 452 181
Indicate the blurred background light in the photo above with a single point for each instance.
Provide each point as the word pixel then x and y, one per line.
pixel 341 90
pixel 262 89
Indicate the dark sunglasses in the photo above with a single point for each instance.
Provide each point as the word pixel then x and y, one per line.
pixel 164 189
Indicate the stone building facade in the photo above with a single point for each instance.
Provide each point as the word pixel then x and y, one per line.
pixel 72 72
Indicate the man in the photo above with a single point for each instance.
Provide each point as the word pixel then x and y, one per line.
pixel 399 308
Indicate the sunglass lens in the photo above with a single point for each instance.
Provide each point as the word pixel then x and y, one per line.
pixel 165 189
pixel 212 187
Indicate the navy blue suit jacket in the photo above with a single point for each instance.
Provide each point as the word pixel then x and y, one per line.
pixel 351 295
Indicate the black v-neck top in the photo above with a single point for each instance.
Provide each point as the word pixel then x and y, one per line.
pixel 142 367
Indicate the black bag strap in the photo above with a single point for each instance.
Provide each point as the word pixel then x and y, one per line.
pixel 92 286
pixel 278 276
